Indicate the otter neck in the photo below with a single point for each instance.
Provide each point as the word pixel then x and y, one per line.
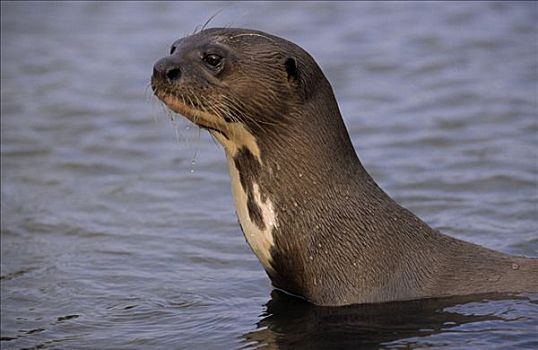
pixel 275 177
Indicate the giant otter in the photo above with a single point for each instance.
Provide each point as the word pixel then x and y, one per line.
pixel 319 224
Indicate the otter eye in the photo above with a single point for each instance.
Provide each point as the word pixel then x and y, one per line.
pixel 213 61
pixel 172 49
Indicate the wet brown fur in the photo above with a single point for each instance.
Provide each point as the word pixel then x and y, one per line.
pixel 340 239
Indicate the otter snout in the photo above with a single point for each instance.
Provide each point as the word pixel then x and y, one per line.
pixel 167 69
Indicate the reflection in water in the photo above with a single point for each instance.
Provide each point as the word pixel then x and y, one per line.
pixel 291 323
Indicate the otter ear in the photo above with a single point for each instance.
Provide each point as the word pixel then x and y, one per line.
pixel 291 69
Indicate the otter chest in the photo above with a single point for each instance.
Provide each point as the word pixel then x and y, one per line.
pixel 255 212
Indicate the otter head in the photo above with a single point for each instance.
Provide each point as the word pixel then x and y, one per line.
pixel 241 85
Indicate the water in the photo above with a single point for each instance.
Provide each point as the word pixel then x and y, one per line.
pixel 115 234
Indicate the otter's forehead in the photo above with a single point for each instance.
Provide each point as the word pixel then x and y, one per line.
pixel 227 34
pixel 230 37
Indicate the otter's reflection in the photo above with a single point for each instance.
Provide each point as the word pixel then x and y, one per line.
pixel 290 323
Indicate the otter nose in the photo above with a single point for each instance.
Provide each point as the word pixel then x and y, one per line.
pixel 167 69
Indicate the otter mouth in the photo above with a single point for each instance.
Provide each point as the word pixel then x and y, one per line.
pixel 227 130
pixel 193 113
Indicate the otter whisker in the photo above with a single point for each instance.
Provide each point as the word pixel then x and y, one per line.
pixel 257 121
pixel 211 18
pixel 239 106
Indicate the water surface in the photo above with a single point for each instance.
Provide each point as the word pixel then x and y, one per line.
pixel 118 229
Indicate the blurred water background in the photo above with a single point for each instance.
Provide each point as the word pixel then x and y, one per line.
pixel 118 229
